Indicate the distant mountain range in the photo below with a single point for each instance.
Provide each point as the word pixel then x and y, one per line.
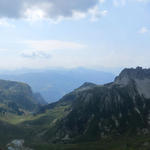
pixel 113 116
pixel 53 84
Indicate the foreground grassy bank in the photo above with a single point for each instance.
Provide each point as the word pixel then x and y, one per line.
pixel 116 143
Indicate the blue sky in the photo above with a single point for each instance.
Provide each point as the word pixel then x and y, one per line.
pixel 95 34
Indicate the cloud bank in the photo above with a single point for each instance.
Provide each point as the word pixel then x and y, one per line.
pixel 53 9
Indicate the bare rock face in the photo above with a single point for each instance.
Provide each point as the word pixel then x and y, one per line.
pixel 17 145
pixel 140 76
pixel 134 73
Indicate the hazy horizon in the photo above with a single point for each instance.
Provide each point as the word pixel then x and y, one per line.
pixel 83 33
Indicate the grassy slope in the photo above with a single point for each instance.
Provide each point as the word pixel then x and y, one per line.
pixel 119 143
pixel 29 126
pixel 9 132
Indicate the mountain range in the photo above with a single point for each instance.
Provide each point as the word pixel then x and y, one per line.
pixel 96 111
pixel 113 116
pixel 53 84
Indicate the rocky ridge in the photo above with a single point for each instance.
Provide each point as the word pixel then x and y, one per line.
pixel 120 107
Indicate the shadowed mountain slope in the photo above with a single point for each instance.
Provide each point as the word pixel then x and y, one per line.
pixel 15 97
pixel 97 111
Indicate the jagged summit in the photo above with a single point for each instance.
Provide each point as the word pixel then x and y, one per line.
pixel 134 73
pixel 140 77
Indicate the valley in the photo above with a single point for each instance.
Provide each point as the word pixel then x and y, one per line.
pixel 112 116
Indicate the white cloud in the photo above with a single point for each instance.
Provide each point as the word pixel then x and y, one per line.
pixel 143 30
pixel 5 23
pixel 118 3
pixel 78 15
pixel 96 13
pixel 34 14
pixel 44 49
pixel 50 9
pixel 93 11
pixel 102 1
pixel 34 54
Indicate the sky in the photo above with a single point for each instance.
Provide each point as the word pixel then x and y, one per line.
pixel 41 34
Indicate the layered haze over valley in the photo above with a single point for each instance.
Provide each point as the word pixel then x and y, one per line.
pixel 74 75
pixel 53 84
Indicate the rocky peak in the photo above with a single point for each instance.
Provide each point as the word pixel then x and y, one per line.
pixel 85 86
pixel 132 73
pixel 140 76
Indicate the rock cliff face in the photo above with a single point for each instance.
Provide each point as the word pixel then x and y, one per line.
pixel 15 97
pixel 111 109
pixel 140 76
